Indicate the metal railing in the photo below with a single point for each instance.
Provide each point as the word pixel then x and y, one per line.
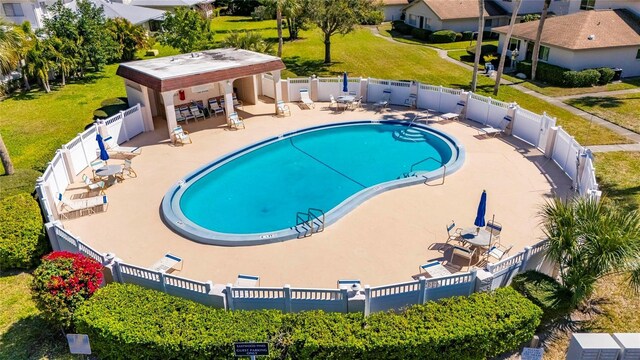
pixel 444 167
pixel 310 222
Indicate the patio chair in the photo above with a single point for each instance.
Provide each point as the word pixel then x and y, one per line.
pixel 433 269
pixel 351 284
pixel 494 228
pixel 237 103
pixel 214 107
pixel 244 280
pixel 464 253
pixel 167 263
pixel 180 136
pixel 333 103
pixel 384 102
pixel 79 206
pixel 411 101
pixel 235 121
pixel 357 103
pixel 179 117
pixel 454 234
pixel 95 165
pixel 92 186
pixel 184 111
pixel 126 167
pixel 196 112
pixel 116 150
pixel 489 130
pixel 455 115
pixel 352 93
pixel 283 109
pixel 498 251
pixel 306 100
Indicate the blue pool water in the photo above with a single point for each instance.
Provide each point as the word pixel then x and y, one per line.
pixel 261 191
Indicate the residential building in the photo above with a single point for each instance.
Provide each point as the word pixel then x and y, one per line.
pixel 586 39
pixel 393 9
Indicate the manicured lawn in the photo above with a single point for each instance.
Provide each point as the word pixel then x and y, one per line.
pixel 623 110
pixel 23 334
pixel 385 30
pixel 556 91
pixel 618 174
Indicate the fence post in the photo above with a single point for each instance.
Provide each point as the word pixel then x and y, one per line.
pixel 43 198
pixel 109 268
pixel 229 296
pixel 50 227
pixel 551 141
pixel 525 258
pixel 164 286
pixel 68 163
pixel 285 90
pixel 364 86
pixel 124 126
pixel 367 300
pixel 313 88
pixel 287 298
pixel 440 98
pixel 422 296
pixel 512 111
pixel 484 279
pixel 474 276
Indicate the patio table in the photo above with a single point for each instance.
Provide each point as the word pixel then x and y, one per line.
pixel 480 238
pixel 346 100
pixel 110 172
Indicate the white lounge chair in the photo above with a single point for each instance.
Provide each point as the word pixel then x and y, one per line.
pixel 333 103
pixel 126 167
pixel 235 121
pixel 184 111
pixel 283 109
pixel 244 280
pixel 434 269
pixel 180 136
pixel 384 102
pixel 167 263
pixel 455 115
pixel 237 103
pixel 179 117
pixel 488 130
pixel 498 252
pixel 116 150
pixel 411 101
pixel 92 186
pixel 196 112
pixel 81 205
pixel 214 107
pixel 306 100
pixel 351 284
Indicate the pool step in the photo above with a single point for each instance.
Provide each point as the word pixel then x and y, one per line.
pixel 409 135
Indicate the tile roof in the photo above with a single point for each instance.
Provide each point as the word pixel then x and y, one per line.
pixel 462 9
pixel 395 2
pixel 135 14
pixel 610 28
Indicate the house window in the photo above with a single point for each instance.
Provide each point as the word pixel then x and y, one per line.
pixel 412 19
pixel 12 9
pixel 587 4
pixel 488 23
pixel 638 55
pixel 514 44
pixel 544 53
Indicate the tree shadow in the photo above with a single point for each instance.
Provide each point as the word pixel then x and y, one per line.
pixel 623 196
pixel 592 101
pixel 33 338
pixel 307 67
pixel 111 107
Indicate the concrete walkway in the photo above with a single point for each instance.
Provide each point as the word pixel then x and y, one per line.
pixel 557 101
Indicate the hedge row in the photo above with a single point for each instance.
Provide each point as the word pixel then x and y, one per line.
pixel 22 240
pixel 127 321
pixel 438 37
pixel 560 76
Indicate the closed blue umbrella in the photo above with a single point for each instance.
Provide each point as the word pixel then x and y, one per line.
pixel 345 82
pixel 104 155
pixel 482 209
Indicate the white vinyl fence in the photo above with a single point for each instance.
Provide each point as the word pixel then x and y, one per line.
pixel 295 85
pixel 268 89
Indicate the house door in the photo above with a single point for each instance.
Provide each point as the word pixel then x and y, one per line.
pixel 421 22
pixel 529 54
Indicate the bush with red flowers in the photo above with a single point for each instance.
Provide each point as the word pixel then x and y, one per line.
pixel 62 282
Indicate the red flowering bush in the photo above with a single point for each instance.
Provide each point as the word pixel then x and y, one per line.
pixel 62 282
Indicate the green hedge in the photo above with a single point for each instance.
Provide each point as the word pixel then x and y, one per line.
pixel 606 75
pixel 22 240
pixel 560 76
pixel 443 36
pixel 467 35
pixel 401 27
pixel 137 323
pixel 421 34
pixel 545 292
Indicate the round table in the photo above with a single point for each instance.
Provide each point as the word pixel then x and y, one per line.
pixel 345 99
pixel 474 237
pixel 110 171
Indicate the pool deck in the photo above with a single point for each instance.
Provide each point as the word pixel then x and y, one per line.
pixel 382 241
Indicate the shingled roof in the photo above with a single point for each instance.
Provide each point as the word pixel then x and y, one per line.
pixel 583 30
pixel 462 9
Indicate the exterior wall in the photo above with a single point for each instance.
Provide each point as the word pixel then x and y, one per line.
pixel 198 94
pixel 528 6
pixel 392 12
pixel 460 25
pixel 618 4
pixel 31 12
pixel 431 21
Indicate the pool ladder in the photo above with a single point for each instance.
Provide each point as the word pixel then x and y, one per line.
pixel 310 222
pixel 426 179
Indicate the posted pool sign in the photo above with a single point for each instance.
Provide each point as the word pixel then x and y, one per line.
pixel 251 349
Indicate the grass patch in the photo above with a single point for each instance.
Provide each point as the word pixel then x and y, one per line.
pixel 22 181
pixel 385 30
pixel 623 110
pixel 617 174
pixel 556 91
pixel 23 334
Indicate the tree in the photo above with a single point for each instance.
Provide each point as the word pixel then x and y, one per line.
pixel 536 44
pixel 129 37
pixel 589 240
pixel 248 40
pixel 186 30
pixel 61 32
pixel 10 43
pixel 476 62
pixel 95 38
pixel 39 62
pixel 5 158
pixel 337 17
pixel 64 61
pixel 505 45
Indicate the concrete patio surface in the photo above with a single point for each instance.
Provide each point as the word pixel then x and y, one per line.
pixel 382 241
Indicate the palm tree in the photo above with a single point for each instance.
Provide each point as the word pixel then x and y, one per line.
pixel 5 158
pixel 589 240
pixel 536 44
pixel 474 80
pixel 60 48
pixel 39 63
pixel 505 46
pixel 248 40
pixel 10 42
pixel 279 24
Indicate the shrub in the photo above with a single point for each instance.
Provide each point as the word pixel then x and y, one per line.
pixel 606 75
pixel 443 36
pixel 146 324
pixel 582 78
pixel 22 240
pixel 484 50
pixel 420 34
pixel 458 36
pixel 467 35
pixel 62 282
pixel 544 291
pixel 402 27
pixel 546 72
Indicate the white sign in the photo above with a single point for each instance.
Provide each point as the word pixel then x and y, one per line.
pixel 532 353
pixel 79 344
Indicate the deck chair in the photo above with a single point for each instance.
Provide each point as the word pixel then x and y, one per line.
pixel 184 111
pixel 237 103
pixel 214 107
pixel 235 121
pixel 283 109
pixel 498 251
pixel 433 269
pixel 306 100
pixel 95 165
pixel 411 101
pixel 465 253
pixel 116 150
pixel 92 186
pixel 455 115
pixel 494 228
pixel 333 103
pixel 384 102
pixel 352 93
pixel 196 112
pixel 489 130
pixel 167 263
pixel 351 284
pixel 454 234
pixel 357 103
pixel 80 206
pixel 179 117
pixel 126 167
pixel 180 136
pixel 244 280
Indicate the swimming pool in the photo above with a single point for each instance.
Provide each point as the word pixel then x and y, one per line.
pixel 256 195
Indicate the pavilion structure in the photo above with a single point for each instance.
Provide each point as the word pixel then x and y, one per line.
pixel 162 84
